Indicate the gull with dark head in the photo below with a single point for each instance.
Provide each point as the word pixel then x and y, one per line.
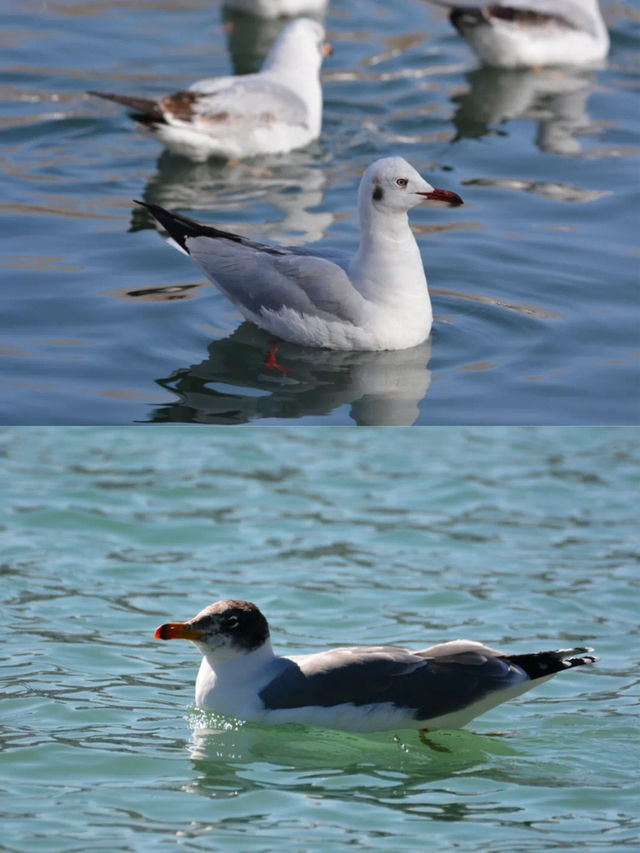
pixel 270 112
pixel 358 689
pixel 375 300
pixel 520 33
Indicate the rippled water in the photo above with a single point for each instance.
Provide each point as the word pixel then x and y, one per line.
pixel 534 279
pixel 520 538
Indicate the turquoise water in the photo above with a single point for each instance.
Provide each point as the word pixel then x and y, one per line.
pixel 522 538
pixel 534 280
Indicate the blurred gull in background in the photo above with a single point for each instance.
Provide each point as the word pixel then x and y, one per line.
pixel 275 110
pixel 520 33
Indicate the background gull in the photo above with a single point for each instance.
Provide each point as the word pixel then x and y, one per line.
pixel 376 300
pixel 360 689
pixel 518 33
pixel 273 111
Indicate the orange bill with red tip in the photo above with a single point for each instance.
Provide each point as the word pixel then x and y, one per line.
pixel 177 631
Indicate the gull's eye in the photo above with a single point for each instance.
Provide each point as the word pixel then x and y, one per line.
pixel 401 182
pixel 230 623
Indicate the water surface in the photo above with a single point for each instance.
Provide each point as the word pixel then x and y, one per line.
pixel 524 539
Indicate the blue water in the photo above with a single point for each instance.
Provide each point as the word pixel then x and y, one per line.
pixel 534 280
pixel 522 538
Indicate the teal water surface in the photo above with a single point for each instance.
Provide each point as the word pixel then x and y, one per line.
pixel 522 538
pixel 534 280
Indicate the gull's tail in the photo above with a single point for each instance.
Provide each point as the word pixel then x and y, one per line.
pixel 147 111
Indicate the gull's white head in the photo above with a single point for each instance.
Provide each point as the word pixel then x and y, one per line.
pixel 224 630
pixel 299 47
pixel 392 185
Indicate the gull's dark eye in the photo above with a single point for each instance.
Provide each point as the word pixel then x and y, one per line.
pixel 230 622
pixel 401 182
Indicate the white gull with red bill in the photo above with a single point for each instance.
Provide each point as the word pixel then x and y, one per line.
pixel 273 111
pixel 376 300
pixel 359 689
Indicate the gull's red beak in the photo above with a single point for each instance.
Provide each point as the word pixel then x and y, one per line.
pixel 327 50
pixel 177 631
pixel 452 199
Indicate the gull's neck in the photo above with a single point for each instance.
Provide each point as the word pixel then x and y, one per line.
pixel 302 78
pixel 387 265
pixel 228 682
pixel 239 667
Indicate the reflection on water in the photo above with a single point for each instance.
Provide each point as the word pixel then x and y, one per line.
pixel 250 39
pixel 553 190
pixel 233 385
pixel 171 293
pixel 526 310
pixel 554 98
pixel 374 765
pixel 290 184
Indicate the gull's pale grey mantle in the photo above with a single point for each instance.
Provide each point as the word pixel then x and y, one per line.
pixel 274 111
pixel 376 300
pixel 517 33
pixel 353 689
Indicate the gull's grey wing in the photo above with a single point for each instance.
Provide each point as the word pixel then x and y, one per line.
pixel 431 683
pixel 249 101
pixel 255 97
pixel 570 11
pixel 257 277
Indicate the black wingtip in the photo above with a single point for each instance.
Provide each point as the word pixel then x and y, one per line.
pixel 180 227
pixel 541 664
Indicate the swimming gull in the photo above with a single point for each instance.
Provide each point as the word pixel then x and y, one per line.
pixel 360 689
pixel 376 300
pixel 273 111
pixel 517 33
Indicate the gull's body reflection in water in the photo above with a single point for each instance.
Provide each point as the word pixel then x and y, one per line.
pixel 292 184
pixel 233 385
pixel 555 98
pixel 250 37
pixel 322 763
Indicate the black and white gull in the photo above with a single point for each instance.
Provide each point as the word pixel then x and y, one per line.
pixel 359 689
pixel 519 33
pixel 273 111
pixel 376 300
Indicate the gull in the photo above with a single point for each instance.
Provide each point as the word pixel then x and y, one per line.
pixel 517 33
pixel 278 8
pixel 273 111
pixel 376 300
pixel 358 689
